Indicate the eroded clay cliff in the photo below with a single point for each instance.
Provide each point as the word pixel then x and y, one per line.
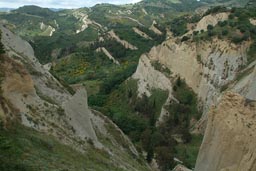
pixel 229 142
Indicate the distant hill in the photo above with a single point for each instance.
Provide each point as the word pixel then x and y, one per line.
pixel 35 10
pixel 6 9
pixel 57 9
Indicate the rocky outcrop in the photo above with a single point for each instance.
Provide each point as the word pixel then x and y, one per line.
pixel 229 142
pixel 134 20
pixel 142 34
pixel 38 95
pixel 181 168
pixel 106 52
pixel 211 19
pixel 149 78
pixel 246 86
pixel 47 29
pixel 126 44
pixel 80 116
pixel 85 22
pixel 154 29
pixel 253 21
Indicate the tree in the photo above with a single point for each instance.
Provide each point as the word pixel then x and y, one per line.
pixel 225 32
pixel 186 136
pixel 178 82
pixel 184 38
pixel 152 119
pixel 1 45
pixel 210 27
pixel 164 157
pixel 146 140
pixel 222 23
pixel 150 154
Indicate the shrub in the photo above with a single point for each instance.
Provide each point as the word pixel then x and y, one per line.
pixel 252 53
pixel 237 39
pixel 185 38
pixel 216 9
pixel 224 32
pixel 222 23
pixel 179 26
pixel 164 157
pixel 1 45
pixel 195 33
pixel 211 33
pixel 210 27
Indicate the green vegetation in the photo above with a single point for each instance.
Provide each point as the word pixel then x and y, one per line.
pixel 237 28
pixel 175 129
pixel 25 149
pixel 179 24
pixel 67 44
pixel 1 45
pixel 252 52
pixel 215 10
pixel 2 73
pixel 129 35
pixel 158 66
pixel 77 61
pixel 81 66
pixel 137 118
pixel 85 64
pixel 123 106
pixel 188 152
pixel 36 11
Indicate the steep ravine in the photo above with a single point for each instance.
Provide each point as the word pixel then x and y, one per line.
pixel 207 66
pixel 36 99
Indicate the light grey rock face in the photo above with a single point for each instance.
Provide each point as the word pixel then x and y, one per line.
pixel 80 117
pixel 149 78
pixel 247 86
pixel 40 97
pixel 229 142
pixel 12 42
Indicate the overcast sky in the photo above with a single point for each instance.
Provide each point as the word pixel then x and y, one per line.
pixel 60 3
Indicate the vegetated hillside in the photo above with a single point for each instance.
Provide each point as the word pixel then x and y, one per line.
pixel 36 11
pixel 66 28
pixel 229 3
pixel 46 125
pixel 72 40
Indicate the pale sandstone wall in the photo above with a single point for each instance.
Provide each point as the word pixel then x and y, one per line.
pixel 229 142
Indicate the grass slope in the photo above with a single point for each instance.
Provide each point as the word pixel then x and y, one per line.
pixel 24 149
